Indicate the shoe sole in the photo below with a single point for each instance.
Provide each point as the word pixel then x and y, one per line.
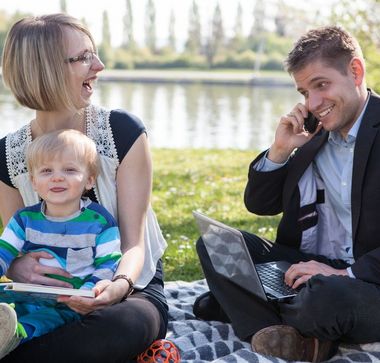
pixel 8 326
pixel 285 343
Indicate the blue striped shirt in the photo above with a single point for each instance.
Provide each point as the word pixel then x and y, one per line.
pixel 86 244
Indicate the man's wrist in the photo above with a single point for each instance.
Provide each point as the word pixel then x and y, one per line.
pixel 278 156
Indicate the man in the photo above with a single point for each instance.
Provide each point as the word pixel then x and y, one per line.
pixel 327 186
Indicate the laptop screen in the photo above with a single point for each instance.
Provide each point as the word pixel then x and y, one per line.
pixel 229 254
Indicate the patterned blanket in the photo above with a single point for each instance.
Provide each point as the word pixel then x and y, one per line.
pixel 201 341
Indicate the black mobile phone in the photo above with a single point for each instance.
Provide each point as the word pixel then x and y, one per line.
pixel 311 123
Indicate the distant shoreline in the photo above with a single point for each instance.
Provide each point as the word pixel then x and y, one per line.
pixel 245 78
pixel 233 78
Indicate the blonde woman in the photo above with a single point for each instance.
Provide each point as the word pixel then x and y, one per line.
pixel 50 64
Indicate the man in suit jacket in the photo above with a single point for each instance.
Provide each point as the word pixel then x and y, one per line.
pixel 327 185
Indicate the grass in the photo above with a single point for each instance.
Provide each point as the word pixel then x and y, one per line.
pixel 210 181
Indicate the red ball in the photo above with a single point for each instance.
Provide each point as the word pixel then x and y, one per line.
pixel 160 351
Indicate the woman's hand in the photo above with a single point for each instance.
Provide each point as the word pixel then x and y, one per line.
pixel 28 269
pixel 106 293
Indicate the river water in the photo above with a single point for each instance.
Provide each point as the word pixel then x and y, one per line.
pixel 186 115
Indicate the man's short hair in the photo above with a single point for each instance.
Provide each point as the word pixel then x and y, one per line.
pixel 332 45
pixel 33 61
pixel 52 144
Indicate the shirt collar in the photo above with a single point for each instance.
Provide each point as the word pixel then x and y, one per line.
pixel 336 138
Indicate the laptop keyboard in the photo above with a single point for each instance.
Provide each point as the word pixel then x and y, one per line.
pixel 274 278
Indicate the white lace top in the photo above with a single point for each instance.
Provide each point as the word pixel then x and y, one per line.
pixel 99 130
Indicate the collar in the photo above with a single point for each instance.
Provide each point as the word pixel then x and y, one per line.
pixel 83 204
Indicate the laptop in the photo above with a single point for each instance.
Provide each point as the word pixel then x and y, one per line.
pixel 230 257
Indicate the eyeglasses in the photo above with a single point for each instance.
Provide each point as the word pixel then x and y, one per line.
pixel 86 58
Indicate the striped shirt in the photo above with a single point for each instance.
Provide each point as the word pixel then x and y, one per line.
pixel 85 244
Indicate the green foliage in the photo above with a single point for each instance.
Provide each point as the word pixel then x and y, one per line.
pixel 361 19
pixel 211 181
pixel 123 59
pixel 167 59
pixel 373 67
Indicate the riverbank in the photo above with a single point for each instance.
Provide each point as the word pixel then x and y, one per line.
pixel 239 78
pixel 246 78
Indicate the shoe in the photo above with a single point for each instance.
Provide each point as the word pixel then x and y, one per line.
pixel 11 332
pixel 283 341
pixel 206 307
pixel 160 351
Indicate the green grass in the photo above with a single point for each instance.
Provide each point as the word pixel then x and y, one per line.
pixel 210 181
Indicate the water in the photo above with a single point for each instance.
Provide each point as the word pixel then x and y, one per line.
pixel 186 115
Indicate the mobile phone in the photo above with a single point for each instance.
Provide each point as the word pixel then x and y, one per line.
pixel 310 123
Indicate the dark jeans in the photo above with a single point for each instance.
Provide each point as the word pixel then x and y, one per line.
pixel 116 333
pixel 329 308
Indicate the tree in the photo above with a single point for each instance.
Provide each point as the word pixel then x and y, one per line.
pixel 281 18
pixel 258 19
pixel 128 37
pixel 150 26
pixel 215 42
pixel 257 32
pixel 172 38
pixel 237 41
pixel 63 6
pixel 106 33
pixel 105 48
pixel 194 42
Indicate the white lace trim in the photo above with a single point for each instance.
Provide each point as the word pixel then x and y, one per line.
pixel 98 128
pixel 15 149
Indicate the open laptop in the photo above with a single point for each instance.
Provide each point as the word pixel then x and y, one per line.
pixel 230 257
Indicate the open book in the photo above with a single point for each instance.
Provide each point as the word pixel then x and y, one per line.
pixel 32 293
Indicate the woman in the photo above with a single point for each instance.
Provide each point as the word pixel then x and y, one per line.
pixel 50 64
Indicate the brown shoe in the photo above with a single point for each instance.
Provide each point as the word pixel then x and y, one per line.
pixel 283 341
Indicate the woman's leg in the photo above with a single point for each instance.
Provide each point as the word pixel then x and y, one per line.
pixel 113 334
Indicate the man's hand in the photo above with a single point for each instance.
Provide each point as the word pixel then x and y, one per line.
pixel 299 273
pixel 290 134
pixel 28 269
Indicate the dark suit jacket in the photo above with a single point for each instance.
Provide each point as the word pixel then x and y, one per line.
pixel 270 193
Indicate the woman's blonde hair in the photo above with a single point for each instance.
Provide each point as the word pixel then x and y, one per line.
pixel 48 146
pixel 33 61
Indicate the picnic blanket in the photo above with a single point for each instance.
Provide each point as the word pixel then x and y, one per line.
pixel 212 341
